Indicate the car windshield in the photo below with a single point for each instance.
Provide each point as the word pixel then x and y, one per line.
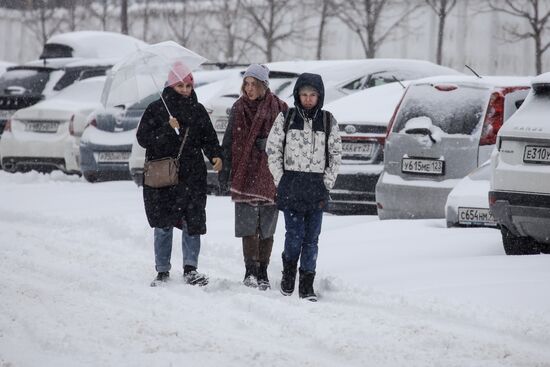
pixel 24 81
pixel 454 109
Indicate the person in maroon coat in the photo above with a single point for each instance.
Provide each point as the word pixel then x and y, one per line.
pixel 246 173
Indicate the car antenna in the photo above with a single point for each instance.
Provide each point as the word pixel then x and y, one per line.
pixel 473 71
pixel 399 81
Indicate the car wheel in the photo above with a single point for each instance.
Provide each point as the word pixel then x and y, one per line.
pixel 90 177
pixel 515 245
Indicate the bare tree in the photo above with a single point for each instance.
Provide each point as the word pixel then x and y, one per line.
pixel 324 10
pixel 229 31
pixel 101 10
pixel 41 18
pixel 124 16
pixel 537 14
pixel 274 20
pixel 181 22
pixel 146 15
pixel 442 8
pixel 366 18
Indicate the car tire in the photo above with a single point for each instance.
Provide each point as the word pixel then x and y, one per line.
pixel 90 177
pixel 515 245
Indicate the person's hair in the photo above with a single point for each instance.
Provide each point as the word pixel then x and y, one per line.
pixel 257 83
pixel 308 88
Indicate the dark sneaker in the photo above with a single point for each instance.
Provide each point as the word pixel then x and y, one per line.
pixel 193 277
pixel 161 277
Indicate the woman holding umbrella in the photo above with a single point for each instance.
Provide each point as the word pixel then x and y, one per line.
pixel 176 116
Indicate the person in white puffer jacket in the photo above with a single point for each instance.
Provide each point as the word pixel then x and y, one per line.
pixel 304 153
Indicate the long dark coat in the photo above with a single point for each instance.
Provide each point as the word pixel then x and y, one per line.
pixel 166 207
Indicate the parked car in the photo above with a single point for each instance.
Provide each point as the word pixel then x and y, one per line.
pixel 443 128
pixel 350 76
pixel 43 136
pixel 65 59
pixel 106 142
pixel 468 202
pixel 363 119
pixel 520 167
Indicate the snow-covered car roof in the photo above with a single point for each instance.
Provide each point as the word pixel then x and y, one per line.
pixel 374 105
pixel 341 70
pixel 541 79
pixel 97 44
pixel 489 81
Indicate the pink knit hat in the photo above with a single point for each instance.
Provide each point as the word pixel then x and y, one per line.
pixel 179 73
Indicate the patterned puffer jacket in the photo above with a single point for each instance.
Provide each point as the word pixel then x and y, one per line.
pixel 303 160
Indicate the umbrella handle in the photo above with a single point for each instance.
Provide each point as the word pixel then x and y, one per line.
pixel 164 102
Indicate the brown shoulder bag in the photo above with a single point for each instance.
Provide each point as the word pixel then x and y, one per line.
pixel 163 172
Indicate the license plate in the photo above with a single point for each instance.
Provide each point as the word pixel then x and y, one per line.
pixel 113 157
pixel 423 166
pixel 536 154
pixel 364 149
pixel 220 124
pixel 41 127
pixel 476 216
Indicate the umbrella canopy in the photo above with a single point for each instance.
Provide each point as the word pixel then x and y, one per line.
pixel 145 72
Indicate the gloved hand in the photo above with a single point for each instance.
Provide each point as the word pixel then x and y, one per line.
pixel 261 143
pixel 217 164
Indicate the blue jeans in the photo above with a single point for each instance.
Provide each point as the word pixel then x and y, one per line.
pixel 190 247
pixel 302 236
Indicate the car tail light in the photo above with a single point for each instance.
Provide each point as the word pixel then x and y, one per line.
pixel 7 127
pixel 392 120
pixel 71 125
pixel 493 119
pixel 492 198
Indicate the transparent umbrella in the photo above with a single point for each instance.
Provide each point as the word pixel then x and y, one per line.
pixel 145 72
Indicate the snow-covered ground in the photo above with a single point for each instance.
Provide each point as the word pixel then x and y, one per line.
pixel 77 260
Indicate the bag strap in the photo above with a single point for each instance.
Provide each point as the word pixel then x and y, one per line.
pixel 326 128
pixel 290 113
pixel 182 143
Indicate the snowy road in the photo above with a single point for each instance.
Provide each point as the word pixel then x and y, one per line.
pixel 77 262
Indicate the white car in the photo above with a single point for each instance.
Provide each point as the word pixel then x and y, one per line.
pixel 468 202
pixel 46 135
pixel 520 167
pixel 349 76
